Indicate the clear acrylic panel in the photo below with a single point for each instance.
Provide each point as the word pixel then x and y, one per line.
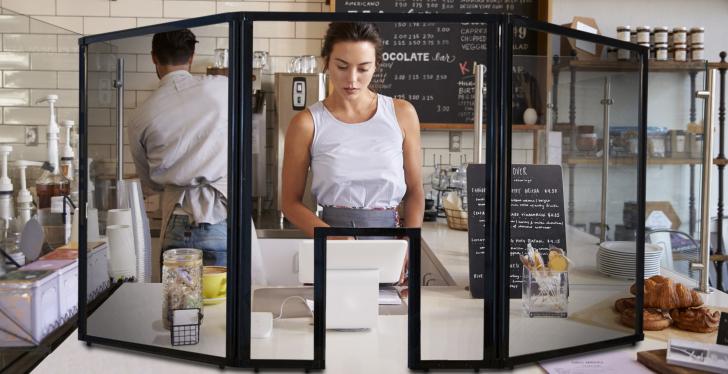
pixel 676 117
pixel 449 312
pixel 570 191
pixel 167 261
pixel 38 294
pixel 452 273
pixel 279 290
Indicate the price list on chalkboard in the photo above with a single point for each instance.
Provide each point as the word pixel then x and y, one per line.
pixel 431 64
pixel 537 217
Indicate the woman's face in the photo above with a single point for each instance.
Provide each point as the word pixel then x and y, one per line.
pixel 351 66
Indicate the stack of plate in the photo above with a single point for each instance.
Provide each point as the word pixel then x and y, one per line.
pixel 619 259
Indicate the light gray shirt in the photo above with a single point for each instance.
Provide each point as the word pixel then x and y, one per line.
pixel 178 140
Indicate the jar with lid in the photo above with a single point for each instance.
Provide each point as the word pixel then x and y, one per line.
pixel 697 35
pixel 681 52
pixel 611 54
pixel 697 52
pixel 680 35
pixel 624 34
pixel 181 280
pixel 661 35
pixel 661 52
pixel 643 34
pixel 633 36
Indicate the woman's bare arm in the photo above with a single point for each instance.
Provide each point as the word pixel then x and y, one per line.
pixel 296 162
pixel 414 198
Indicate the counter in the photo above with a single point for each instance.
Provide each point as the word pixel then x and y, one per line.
pixel 452 323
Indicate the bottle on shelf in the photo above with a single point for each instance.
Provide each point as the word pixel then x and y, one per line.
pixel 68 162
pixel 6 186
pixel 53 189
pixel 25 199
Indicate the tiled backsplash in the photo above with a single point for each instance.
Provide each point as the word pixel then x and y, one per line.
pixel 39 57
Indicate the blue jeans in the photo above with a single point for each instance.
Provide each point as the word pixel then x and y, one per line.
pixel 210 238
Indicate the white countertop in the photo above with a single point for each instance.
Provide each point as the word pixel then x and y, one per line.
pixel 452 324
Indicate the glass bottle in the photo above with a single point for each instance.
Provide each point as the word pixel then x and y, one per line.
pixel 181 281
pixel 51 184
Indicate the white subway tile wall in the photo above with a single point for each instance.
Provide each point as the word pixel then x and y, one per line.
pixel 39 56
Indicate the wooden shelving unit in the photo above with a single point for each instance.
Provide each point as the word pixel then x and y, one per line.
pixel 654 66
pixel 466 126
pixel 631 161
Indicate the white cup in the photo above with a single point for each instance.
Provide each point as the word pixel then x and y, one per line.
pixel 92 225
pixel 119 217
pixel 122 255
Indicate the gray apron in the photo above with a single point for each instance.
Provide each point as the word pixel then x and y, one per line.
pixel 348 217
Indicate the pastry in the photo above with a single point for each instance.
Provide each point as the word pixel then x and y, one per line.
pixel 701 320
pixel 663 293
pixel 652 320
pixel 621 304
pixel 557 260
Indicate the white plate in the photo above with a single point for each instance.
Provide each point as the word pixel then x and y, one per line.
pixel 628 247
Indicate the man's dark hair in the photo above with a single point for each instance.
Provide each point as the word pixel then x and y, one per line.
pixel 173 47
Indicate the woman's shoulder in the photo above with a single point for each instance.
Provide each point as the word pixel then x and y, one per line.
pixel 405 111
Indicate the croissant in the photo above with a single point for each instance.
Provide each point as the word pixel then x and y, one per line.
pixel 696 319
pixel 652 319
pixel 663 293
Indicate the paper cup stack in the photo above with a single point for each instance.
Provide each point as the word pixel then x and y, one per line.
pixel 619 259
pixel 130 196
pixel 122 256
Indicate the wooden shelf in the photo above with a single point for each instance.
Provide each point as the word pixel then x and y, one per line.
pixel 466 126
pixel 654 66
pixel 632 161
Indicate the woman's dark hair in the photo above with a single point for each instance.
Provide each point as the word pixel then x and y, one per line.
pixel 174 47
pixel 351 32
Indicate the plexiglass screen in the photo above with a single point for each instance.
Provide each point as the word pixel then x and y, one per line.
pixel 574 193
pixel 159 233
pixel 421 64
pixel 38 294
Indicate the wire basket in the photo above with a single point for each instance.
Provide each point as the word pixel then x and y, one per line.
pixel 457 219
pixel 185 327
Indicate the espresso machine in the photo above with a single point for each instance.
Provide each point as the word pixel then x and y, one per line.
pixel 294 92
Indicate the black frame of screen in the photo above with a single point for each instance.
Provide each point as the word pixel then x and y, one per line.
pixel 498 174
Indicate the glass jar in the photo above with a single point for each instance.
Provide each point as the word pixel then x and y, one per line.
pixel 624 33
pixel 661 35
pixel 661 52
pixel 643 34
pixel 182 281
pixel 681 52
pixel 680 35
pixel 697 52
pixel 697 35
pixel 221 58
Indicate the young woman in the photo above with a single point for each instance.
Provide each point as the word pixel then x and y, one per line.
pixel 363 148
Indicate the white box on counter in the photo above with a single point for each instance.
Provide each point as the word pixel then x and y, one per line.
pixel 29 307
pixel 97 263
pixel 67 271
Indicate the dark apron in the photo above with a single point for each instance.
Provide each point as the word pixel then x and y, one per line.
pixel 348 217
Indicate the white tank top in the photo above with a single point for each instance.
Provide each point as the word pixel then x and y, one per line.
pixel 358 165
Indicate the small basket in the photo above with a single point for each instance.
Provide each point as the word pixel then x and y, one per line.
pixel 457 219
pixel 187 331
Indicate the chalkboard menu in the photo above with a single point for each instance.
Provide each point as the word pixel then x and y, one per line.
pixel 537 214
pixel 477 233
pixel 431 64
pixel 537 217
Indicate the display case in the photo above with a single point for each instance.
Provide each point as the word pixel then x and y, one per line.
pixel 515 216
